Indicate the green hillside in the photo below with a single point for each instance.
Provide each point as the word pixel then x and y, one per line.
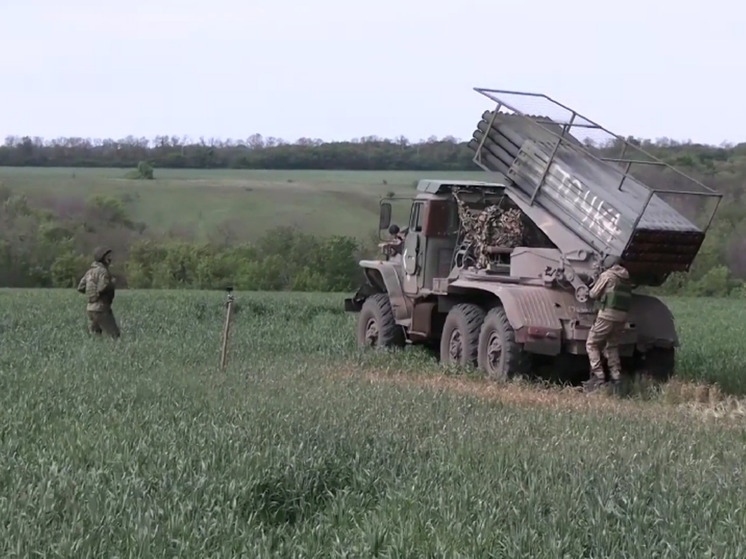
pixel 201 203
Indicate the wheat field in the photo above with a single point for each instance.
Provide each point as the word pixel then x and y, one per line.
pixel 306 447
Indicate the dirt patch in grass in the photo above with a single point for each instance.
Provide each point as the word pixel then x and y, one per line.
pixel 672 401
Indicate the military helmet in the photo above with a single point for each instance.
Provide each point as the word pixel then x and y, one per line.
pixel 100 253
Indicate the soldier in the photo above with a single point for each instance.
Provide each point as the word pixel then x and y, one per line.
pixel 614 293
pixel 398 237
pixel 98 285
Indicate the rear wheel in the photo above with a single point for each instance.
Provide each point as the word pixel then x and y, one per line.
pixel 500 357
pixel 460 338
pixel 660 362
pixel 376 326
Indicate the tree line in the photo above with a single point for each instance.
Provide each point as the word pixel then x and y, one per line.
pixel 721 167
pixel 256 152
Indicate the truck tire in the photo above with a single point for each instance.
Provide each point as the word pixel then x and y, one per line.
pixel 460 339
pixel 376 326
pixel 500 357
pixel 660 363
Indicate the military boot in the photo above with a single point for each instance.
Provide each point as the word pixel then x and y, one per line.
pixel 616 385
pixel 593 383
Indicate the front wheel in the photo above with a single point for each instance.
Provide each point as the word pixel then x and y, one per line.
pixel 499 354
pixel 376 326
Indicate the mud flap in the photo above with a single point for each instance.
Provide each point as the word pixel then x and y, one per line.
pixel 355 303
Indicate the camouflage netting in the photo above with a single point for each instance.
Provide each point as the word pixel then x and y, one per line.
pixel 492 227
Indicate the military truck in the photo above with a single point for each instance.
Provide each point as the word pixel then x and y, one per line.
pixel 496 273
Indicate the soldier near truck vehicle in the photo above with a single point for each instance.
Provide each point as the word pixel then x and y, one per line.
pixel 396 243
pixel 499 277
pixel 613 292
pixel 398 235
pixel 98 285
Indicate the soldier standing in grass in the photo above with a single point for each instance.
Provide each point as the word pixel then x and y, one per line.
pixel 613 292
pixel 98 285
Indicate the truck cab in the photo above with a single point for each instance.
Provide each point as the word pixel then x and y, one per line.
pixel 431 243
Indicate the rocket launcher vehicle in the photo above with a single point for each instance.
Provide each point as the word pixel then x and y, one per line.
pixel 594 197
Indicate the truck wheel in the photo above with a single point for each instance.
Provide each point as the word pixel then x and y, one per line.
pixel 376 326
pixel 460 338
pixel 499 354
pixel 660 363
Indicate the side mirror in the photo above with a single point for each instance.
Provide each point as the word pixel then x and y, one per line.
pixel 384 219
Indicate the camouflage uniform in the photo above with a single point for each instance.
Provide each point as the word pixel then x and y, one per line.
pixel 98 285
pixel 614 294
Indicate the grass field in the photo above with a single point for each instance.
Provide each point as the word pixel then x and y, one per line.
pixel 318 202
pixel 305 447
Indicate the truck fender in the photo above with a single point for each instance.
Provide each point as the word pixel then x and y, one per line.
pixel 654 323
pixel 381 277
pixel 530 310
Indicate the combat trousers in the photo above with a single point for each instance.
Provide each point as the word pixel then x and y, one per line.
pixel 605 334
pixel 103 322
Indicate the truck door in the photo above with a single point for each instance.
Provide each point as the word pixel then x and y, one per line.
pixel 414 250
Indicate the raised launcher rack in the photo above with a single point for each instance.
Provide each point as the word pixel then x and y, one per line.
pixel 563 163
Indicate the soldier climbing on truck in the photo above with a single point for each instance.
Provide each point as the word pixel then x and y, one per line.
pixel 502 274
pixel 614 295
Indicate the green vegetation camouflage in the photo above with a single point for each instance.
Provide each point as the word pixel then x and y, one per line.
pixel 494 226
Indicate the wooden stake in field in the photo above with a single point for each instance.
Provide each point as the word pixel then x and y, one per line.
pixel 226 328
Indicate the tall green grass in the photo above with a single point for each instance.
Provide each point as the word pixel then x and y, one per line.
pixel 144 448
pixel 712 332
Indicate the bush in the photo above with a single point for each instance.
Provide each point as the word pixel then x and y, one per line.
pixel 717 282
pixel 68 268
pixel 283 259
pixel 144 172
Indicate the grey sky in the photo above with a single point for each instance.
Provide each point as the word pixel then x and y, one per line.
pixel 339 69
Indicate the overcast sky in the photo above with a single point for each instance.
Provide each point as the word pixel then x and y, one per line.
pixel 340 69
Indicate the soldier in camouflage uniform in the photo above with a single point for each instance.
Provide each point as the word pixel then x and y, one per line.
pixel 613 292
pixel 98 285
